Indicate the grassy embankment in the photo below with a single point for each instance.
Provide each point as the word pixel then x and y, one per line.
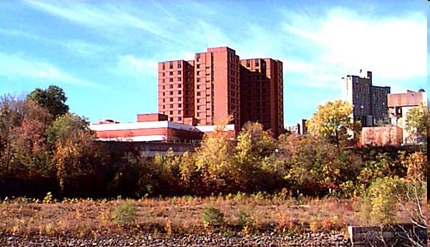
pixel 181 215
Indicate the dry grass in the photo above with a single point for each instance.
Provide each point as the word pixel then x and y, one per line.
pixel 93 218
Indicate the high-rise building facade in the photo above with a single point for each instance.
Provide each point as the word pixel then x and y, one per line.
pixel 176 90
pixel 214 87
pixel 262 93
pixel 369 102
pixel 217 82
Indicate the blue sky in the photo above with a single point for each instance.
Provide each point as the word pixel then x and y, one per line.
pixel 104 54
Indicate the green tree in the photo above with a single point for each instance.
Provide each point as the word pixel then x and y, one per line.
pixel 333 120
pixel 417 122
pixel 315 166
pixel 53 99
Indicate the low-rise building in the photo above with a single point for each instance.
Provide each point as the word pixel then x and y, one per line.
pixel 399 104
pixel 382 136
pixel 152 130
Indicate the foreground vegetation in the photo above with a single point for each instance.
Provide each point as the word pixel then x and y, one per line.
pixel 231 215
pixel 45 148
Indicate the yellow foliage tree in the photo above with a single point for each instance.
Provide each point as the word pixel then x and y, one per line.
pixel 333 120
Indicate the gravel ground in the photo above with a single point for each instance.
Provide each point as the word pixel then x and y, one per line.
pixel 318 239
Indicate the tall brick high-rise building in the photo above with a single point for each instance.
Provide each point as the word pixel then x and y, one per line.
pixel 176 90
pixel 217 82
pixel 219 88
pixel 262 93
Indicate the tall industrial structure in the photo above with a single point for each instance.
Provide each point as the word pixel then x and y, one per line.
pixel 219 88
pixel 369 102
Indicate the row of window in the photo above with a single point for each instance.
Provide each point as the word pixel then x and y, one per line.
pixel 178 85
pixel 179 65
pixel 171 93
pixel 171 100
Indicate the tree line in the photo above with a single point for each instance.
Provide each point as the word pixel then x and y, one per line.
pixel 45 148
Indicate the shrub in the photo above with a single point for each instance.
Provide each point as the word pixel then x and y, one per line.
pixel 381 200
pixel 211 216
pixel 124 213
pixel 244 219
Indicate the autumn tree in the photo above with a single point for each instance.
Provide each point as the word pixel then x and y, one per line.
pixel 213 163
pixel 255 159
pixel 29 141
pixel 53 99
pixel 417 122
pixel 75 154
pixel 333 121
pixel 10 118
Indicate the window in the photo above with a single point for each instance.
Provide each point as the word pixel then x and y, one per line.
pixel 171 99
pixel 170 79
pixel 198 93
pixel 198 66
pixel 179 118
pixel 179 79
pixel 171 92
pixel 171 105
pixel 164 74
pixel 179 112
pixel 179 92
pixel 198 79
pixel 179 72
pixel 171 112
pixel 179 85
pixel 179 105
pixel 171 73
pixel 256 62
pixel 179 65
pixel 164 94
pixel 170 86
pixel 171 119
pixel 179 99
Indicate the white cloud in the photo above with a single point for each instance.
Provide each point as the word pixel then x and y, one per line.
pixel 16 66
pixel 137 67
pixel 344 42
pixel 19 33
pixel 83 48
pixel 111 19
